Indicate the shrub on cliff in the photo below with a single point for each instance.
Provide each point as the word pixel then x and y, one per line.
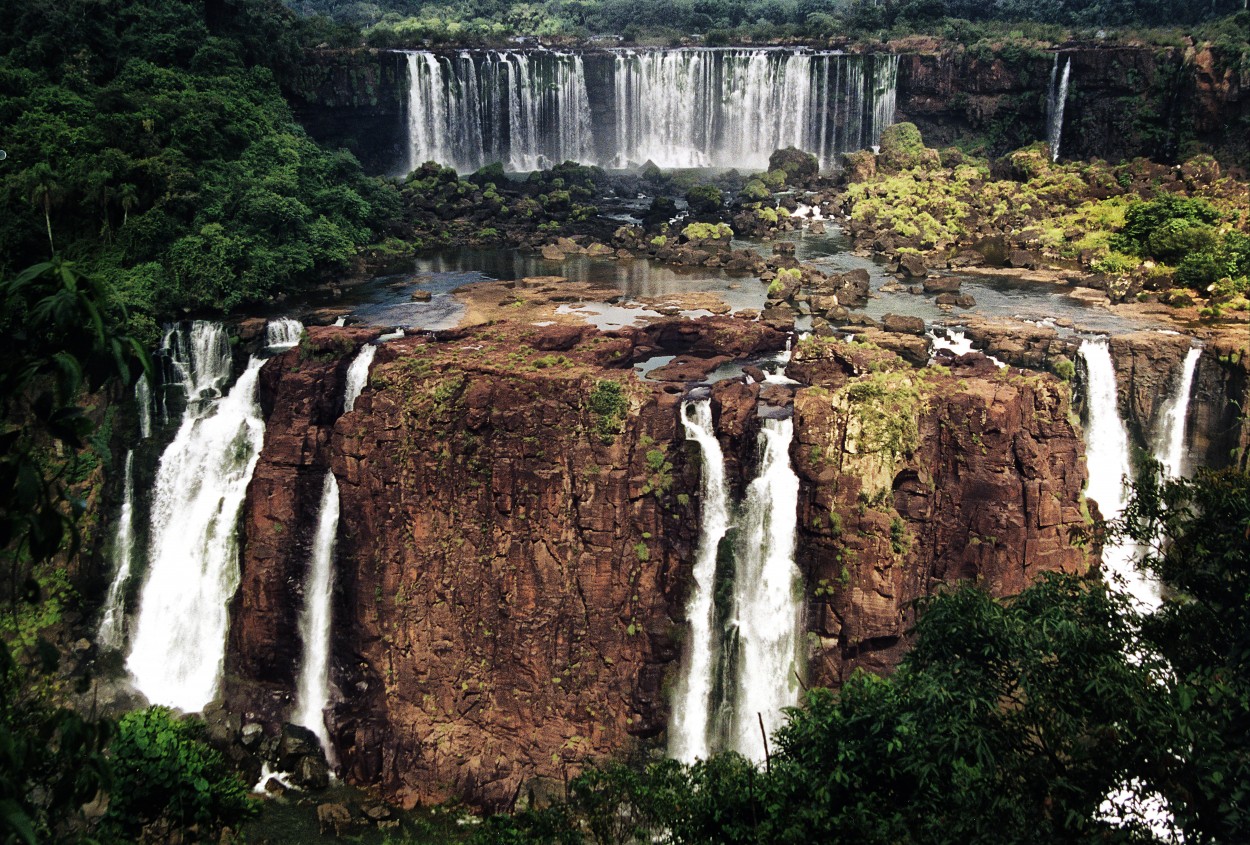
pixel 166 776
pixel 1167 227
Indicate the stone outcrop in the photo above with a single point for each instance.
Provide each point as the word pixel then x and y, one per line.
pixel 911 480
pixel 1126 101
pixel 519 515
pixel 1148 369
pixel 1219 409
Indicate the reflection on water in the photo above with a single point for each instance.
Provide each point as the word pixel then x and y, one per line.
pixel 388 301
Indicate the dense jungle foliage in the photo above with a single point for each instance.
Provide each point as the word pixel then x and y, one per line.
pixel 149 142
pixel 721 21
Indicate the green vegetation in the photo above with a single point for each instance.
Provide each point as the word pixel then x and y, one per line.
pixel 148 141
pixel 1007 722
pixel 165 774
pixel 608 405
pixel 406 23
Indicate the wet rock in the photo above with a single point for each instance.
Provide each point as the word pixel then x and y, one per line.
pixel 816 227
pixel 1022 259
pixel 311 773
pixel 941 284
pixel 551 252
pixel 755 373
pixel 422 296
pixel 913 265
pixel 334 819
pixel 902 324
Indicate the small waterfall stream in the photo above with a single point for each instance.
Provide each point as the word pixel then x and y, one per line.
pixel 313 694
pixel 1055 104
pixel 358 375
pixel 143 404
pixel 767 597
pixel 692 707
pixel 113 623
pixel 179 642
pixel 283 333
pixel 1170 444
pixel 1107 457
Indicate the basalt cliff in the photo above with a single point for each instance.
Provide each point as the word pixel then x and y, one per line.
pixel 520 512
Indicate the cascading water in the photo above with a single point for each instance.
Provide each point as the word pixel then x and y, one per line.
pixel 767 601
pixel 689 730
pixel 143 403
pixel 178 648
pixel 283 333
pixel 524 110
pixel 676 108
pixel 112 623
pixel 358 375
pixel 314 621
pixel 1107 457
pixel 1170 445
pixel 1055 103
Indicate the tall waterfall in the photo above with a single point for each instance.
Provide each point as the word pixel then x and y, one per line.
pixel 524 110
pixel 1055 103
pixel 113 623
pixel 1170 445
pixel 726 107
pixel 179 643
pixel 358 375
pixel 314 621
pixel 283 333
pixel 689 731
pixel 767 598
pixel 1107 457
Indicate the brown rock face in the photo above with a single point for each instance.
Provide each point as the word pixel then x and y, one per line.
pixel 508 565
pixel 517 527
pixel 1218 424
pixel 911 480
pixel 1147 368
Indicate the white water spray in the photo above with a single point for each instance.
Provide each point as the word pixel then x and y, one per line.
pixel 692 707
pixel 113 622
pixel 283 333
pixel 358 375
pixel 314 621
pixel 1107 457
pixel 1055 105
pixel 674 107
pixel 1170 446
pixel 768 606
pixel 179 645
pixel 143 403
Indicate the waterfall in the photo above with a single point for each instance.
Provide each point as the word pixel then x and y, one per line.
pixel 1107 457
pixel 314 621
pixel 178 648
pixel 767 595
pixel 524 110
pixel 692 707
pixel 112 624
pixel 1170 445
pixel 723 107
pixel 200 359
pixel 283 333
pixel 358 375
pixel 1055 103
pixel 143 404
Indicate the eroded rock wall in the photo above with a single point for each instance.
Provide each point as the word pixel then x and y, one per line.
pixel 916 479
pixel 514 547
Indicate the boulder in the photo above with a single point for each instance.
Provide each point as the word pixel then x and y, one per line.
pixel 902 324
pixel 913 265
